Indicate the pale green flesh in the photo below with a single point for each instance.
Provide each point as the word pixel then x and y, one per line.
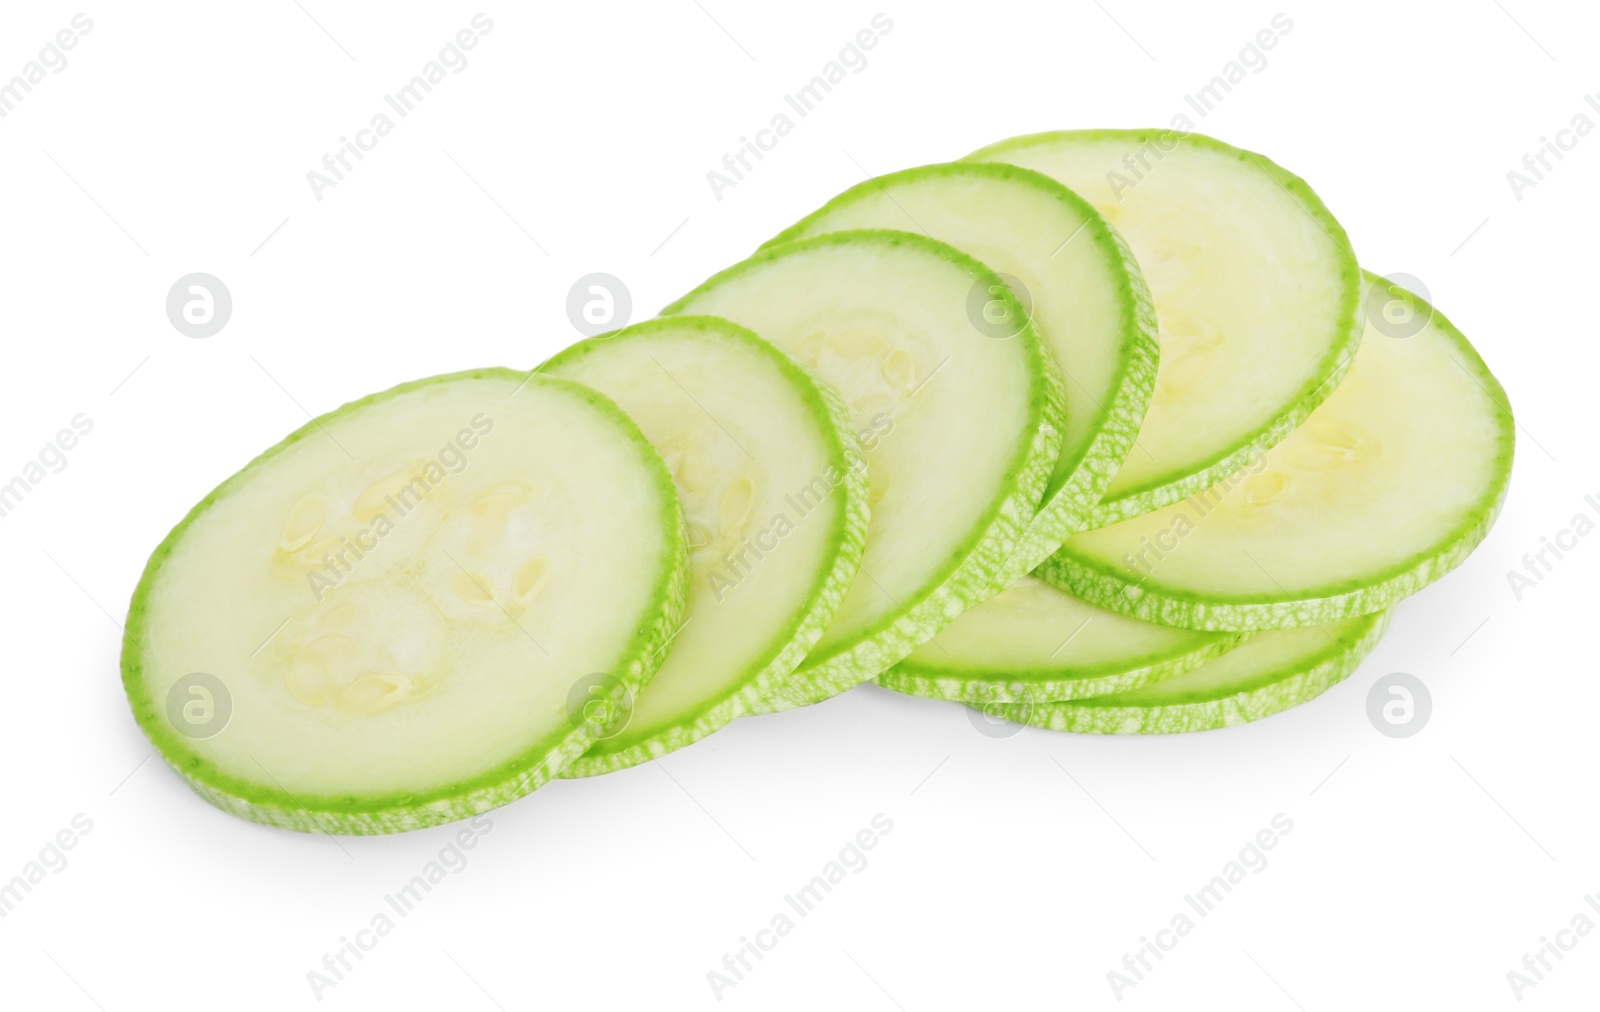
pixel 1087 297
pixel 518 536
pixel 1267 673
pixel 773 488
pixel 960 429
pixel 1255 291
pixel 1385 487
pixel 1033 642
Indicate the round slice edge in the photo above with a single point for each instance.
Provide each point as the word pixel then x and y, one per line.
pixel 1389 485
pixel 961 427
pixel 1266 674
pixel 1033 643
pixel 384 621
pixel 1256 291
pixel 1080 285
pixel 773 487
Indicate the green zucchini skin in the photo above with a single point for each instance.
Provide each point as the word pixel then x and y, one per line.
pixel 1151 600
pixel 1150 710
pixel 983 685
pixel 973 570
pixel 393 813
pixel 834 573
pixel 1034 642
pixel 1082 473
pixel 1345 326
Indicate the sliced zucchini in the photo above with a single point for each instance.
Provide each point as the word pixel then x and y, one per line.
pixel 1079 281
pixel 1256 291
pixel 1267 673
pixel 1385 488
pixel 382 622
pixel 961 429
pixel 774 489
pixel 1032 642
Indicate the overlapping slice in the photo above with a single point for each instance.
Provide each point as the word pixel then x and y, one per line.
pixel 1033 643
pixel 391 619
pixel 1256 292
pixel 774 490
pixel 1268 673
pixel 1080 284
pixel 1386 487
pixel 961 427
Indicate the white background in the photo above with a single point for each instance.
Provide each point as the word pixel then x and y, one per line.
pixel 1019 869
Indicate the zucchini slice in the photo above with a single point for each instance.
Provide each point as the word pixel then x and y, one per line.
pixel 1032 642
pixel 961 428
pixel 1256 292
pixel 1268 673
pixel 1081 285
pixel 773 486
pixel 384 621
pixel 1385 488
